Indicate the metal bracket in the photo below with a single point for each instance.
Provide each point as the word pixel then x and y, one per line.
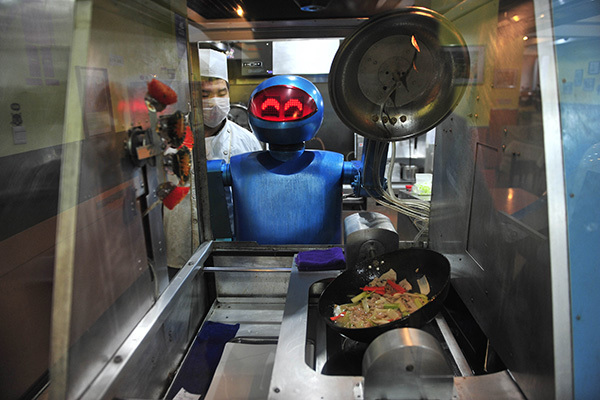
pixel 140 146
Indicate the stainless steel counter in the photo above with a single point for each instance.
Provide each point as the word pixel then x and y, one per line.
pixel 301 351
pixel 280 350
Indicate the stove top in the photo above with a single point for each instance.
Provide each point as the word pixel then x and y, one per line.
pixel 313 360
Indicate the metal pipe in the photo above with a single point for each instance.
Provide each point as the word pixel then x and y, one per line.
pixel 241 269
pixel 453 347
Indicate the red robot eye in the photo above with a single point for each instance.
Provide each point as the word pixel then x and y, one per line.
pixel 282 103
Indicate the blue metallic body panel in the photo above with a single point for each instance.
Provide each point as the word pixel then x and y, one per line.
pixel 296 202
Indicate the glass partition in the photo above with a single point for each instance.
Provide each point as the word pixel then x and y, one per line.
pixel 34 53
pixel 576 42
pixel 82 261
pixel 110 262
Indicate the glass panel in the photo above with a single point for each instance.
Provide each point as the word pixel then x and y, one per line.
pixel 576 42
pixel 34 59
pixel 110 262
pixel 490 199
pixel 80 258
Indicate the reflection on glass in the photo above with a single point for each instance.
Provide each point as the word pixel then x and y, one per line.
pixel 73 238
pixel 578 67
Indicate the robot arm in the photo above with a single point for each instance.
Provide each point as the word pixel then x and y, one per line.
pixel 367 175
pixel 218 178
pixel 219 167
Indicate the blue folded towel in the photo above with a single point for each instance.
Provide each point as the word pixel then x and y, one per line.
pixel 200 365
pixel 321 260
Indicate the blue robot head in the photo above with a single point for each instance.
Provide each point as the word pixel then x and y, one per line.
pixel 285 111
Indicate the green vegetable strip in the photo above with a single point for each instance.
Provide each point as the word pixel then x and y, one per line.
pixel 359 297
pixel 365 304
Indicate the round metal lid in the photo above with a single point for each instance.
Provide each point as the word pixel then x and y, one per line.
pixel 399 74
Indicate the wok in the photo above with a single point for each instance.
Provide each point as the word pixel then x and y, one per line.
pixel 405 262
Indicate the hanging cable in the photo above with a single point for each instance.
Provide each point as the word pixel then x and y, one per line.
pixel 416 210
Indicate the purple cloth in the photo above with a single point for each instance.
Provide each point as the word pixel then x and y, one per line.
pixel 321 260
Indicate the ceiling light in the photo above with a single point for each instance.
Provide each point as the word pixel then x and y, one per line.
pixel 239 11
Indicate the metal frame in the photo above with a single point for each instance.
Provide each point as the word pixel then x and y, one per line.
pixel 236 30
pixel 557 207
pixel 110 381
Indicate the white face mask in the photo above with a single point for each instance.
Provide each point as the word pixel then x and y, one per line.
pixel 215 110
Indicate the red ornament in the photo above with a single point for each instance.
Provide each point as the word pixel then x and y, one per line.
pixel 161 92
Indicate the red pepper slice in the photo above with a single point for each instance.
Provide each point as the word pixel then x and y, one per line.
pixel 376 289
pixel 340 315
pixel 395 286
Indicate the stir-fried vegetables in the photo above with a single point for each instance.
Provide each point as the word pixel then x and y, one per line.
pixel 382 301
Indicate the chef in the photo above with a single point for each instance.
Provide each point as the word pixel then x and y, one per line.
pixel 223 139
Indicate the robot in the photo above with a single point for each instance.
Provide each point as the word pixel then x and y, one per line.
pixel 386 83
pixel 287 194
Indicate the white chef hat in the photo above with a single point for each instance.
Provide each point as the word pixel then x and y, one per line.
pixel 213 64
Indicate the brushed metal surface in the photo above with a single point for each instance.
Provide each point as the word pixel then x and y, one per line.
pixel 112 287
pixel 266 284
pixel 500 266
pixel 243 372
pixel 155 234
pixel 296 372
pixel 366 235
pixel 489 217
pixel 371 85
pixel 406 363
pixel 496 386
pixel 257 318
pixel 143 363
pixel 235 268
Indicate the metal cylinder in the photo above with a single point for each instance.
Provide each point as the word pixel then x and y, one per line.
pixel 367 235
pixel 406 363
pixel 409 172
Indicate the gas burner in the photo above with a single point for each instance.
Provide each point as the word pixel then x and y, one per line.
pixel 346 362
pixel 350 345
